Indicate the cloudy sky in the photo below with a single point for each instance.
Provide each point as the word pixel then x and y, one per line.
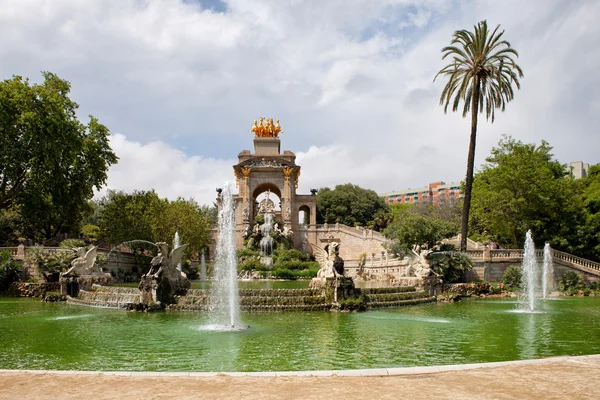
pixel 179 82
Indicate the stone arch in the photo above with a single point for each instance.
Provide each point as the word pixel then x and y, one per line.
pixel 304 215
pixel 263 187
pixel 257 197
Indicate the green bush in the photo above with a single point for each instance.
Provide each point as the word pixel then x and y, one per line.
pixel 9 270
pixel 283 273
pixel 512 278
pixel 280 256
pixel 571 282
pixel 71 243
pixel 296 265
pixel 452 266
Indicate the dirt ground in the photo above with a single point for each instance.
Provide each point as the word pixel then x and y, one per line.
pixel 575 378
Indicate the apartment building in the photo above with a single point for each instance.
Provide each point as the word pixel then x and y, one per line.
pixel 432 193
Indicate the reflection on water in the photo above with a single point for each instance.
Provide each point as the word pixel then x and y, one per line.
pixel 70 317
pixel 38 335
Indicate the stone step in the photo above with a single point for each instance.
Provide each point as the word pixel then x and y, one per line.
pixel 400 303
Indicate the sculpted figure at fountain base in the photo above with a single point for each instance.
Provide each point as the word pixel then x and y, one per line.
pixel 163 281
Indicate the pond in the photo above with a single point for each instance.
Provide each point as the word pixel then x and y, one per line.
pixel 36 335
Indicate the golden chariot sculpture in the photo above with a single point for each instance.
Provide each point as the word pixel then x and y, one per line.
pixel 266 128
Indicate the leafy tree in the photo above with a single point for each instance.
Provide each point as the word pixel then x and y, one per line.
pixel 186 217
pixel 409 228
pixel 522 187
pixel 10 270
pixel 91 232
pixel 49 161
pixel 480 75
pixel 591 200
pixel 10 226
pixel 125 217
pixel 348 204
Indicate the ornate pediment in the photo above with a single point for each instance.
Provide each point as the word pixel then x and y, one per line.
pixel 266 162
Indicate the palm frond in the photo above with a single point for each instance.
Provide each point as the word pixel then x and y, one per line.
pixel 484 58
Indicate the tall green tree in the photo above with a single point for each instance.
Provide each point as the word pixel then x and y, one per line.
pixel 481 76
pixel 125 217
pixel 189 219
pixel 349 204
pixel 412 228
pixel 523 187
pixel 591 198
pixel 49 161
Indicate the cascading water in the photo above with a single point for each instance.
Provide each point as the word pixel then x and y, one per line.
pixel 548 271
pixel 529 281
pixel 266 242
pixel 224 302
pixel 203 267
pixel 176 245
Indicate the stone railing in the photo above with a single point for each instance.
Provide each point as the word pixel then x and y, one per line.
pixel 516 254
pixel 559 255
pixel 12 250
pixel 357 231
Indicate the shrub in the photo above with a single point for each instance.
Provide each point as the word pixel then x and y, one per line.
pixel 571 282
pixel 450 265
pixel 47 263
pixel 9 270
pixel 71 243
pixel 512 278
pixel 296 265
pixel 283 273
pixel 280 256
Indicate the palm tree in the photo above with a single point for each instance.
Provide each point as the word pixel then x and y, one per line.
pixel 481 75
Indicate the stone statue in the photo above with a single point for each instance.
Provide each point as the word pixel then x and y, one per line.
pixel 245 214
pixel 288 213
pixel 163 281
pixel 332 266
pixel 84 263
pixel 287 232
pixel 418 263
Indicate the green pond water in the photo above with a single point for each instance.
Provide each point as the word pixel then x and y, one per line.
pixel 36 335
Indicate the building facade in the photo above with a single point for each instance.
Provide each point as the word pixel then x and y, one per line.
pixel 432 193
pixel 579 169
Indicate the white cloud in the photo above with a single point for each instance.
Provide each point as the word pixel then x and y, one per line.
pixel 156 165
pixel 352 85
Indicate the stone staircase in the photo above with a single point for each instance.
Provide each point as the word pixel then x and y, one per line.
pixel 255 300
pixel 395 297
pixel 261 300
pixel 106 296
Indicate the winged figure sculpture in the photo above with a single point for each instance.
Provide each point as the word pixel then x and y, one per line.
pixel 84 263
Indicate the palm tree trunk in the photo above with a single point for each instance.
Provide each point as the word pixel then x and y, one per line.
pixel 470 165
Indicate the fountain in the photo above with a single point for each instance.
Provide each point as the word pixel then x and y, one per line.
pixel 176 245
pixel 548 271
pixel 224 302
pixel 266 242
pixel 529 282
